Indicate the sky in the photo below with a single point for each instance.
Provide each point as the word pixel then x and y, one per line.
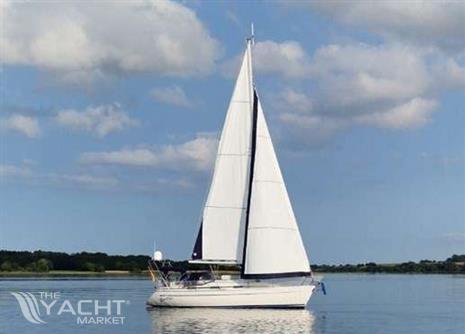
pixel 110 114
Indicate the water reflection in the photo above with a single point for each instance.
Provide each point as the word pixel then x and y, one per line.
pixel 192 320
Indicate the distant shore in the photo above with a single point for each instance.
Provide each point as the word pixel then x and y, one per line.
pixel 74 274
pixel 69 274
pixel 84 264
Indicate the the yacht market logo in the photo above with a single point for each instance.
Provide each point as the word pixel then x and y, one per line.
pixel 36 308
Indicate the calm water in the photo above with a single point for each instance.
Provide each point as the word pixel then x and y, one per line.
pixel 354 304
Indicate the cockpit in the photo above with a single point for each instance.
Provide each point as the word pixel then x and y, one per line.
pixel 190 277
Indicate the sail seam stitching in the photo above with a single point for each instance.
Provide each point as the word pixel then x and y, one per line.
pixel 271 227
pixel 225 207
pixel 234 154
pixel 268 181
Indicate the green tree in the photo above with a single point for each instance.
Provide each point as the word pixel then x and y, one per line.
pixel 99 268
pixel 6 266
pixel 43 265
pixel 89 266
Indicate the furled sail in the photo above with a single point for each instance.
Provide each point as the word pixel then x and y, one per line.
pixel 221 234
pixel 273 246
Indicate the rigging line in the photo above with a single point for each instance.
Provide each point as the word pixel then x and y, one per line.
pixel 251 173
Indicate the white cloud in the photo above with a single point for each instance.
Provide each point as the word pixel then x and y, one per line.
pixel 100 120
pixel 396 84
pixel 360 73
pixel 390 86
pixel 28 126
pixel 150 183
pixel 163 185
pixel 428 23
pixel 174 95
pixel 7 171
pixel 414 113
pixel 84 179
pixel 355 74
pixel 293 101
pixel 80 41
pixel 311 129
pixel 449 73
pixel 197 154
pixel 233 18
pixel 125 156
pixel 393 85
pixel 25 173
pixel 286 58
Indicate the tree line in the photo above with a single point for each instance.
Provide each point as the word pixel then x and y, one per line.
pixel 42 261
pixel 453 264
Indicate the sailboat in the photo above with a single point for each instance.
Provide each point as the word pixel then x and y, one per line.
pixel 247 222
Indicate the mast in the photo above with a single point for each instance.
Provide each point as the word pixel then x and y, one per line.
pixel 272 246
pixel 250 43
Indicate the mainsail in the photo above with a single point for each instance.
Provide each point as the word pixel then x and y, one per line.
pixel 248 217
pixel 221 234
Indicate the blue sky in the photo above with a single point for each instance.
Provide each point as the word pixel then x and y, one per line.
pixel 110 115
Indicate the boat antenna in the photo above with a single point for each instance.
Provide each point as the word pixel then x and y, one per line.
pixel 251 38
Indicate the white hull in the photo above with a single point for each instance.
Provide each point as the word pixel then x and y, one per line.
pixel 266 296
